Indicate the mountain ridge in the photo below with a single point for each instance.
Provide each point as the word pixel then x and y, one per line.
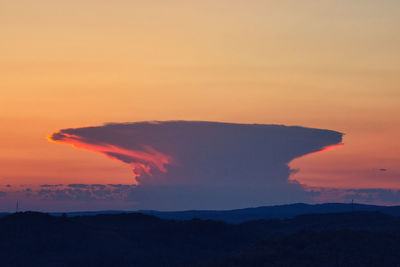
pixel 271 212
pixel 247 214
pixel 236 216
pixel 359 238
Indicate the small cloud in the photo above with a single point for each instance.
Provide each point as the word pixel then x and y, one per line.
pixel 85 186
pixel 84 192
pixel 98 186
pixel 50 185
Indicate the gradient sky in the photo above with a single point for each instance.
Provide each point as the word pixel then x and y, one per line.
pixel 324 64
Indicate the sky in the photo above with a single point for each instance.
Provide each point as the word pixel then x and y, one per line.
pixel 75 64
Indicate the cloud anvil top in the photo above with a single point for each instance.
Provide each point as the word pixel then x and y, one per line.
pixel 141 160
pixel 176 155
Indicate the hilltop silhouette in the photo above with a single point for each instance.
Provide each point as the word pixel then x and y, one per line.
pixel 270 212
pixel 360 238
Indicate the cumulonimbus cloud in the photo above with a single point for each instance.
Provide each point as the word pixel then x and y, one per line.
pixel 141 159
pixel 204 162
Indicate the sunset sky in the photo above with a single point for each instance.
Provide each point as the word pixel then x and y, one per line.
pixel 332 64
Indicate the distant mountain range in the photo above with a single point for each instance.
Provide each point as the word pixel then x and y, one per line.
pixel 270 212
pixel 250 214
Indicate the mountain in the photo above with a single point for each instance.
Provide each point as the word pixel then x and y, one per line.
pixel 270 212
pixel 360 238
pixel 90 213
pixel 242 215
pixel 2 214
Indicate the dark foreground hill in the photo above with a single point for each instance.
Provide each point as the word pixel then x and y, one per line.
pixel 134 239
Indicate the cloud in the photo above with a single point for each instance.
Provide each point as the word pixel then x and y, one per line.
pixel 191 164
pixel 84 192
pixel 142 158
pixel 50 185
pixel 85 186
pixel 373 195
pixel 179 197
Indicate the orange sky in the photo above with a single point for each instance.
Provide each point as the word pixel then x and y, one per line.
pixel 324 64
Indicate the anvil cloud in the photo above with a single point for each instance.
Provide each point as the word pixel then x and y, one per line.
pixel 193 164
pixel 142 159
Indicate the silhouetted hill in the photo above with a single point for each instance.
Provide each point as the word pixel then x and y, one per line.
pixel 248 214
pixel 135 239
pixel 88 213
pixel 310 248
pixel 270 212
